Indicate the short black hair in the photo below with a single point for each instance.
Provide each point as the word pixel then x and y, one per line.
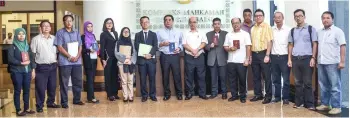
pixel 66 16
pixel 104 28
pixel 144 17
pixel 298 10
pixel 328 12
pixel 237 18
pixel 168 15
pixel 247 10
pixel 44 21
pixel 259 10
pixel 216 19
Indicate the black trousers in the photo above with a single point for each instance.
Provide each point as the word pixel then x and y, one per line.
pixel 303 81
pixel 171 61
pixel 111 77
pixel 218 73
pixel 259 67
pixel 90 74
pixel 148 69
pixel 195 65
pixel 45 81
pixel 237 74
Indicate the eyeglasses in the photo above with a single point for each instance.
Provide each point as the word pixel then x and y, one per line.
pixel 258 16
pixel 68 21
pixel 109 23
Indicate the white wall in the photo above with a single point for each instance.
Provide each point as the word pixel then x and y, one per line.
pixel 123 12
pixel 313 10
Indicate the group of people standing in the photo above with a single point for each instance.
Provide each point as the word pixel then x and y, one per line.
pixel 271 52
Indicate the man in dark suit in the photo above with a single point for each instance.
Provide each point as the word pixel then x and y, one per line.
pixel 217 58
pixel 147 62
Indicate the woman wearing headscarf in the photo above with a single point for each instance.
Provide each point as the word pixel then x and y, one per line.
pixel 89 51
pixel 126 63
pixel 108 38
pixel 21 67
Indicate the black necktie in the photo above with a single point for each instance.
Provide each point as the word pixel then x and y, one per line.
pixel 146 36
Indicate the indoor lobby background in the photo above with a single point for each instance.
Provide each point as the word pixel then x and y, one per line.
pixel 126 13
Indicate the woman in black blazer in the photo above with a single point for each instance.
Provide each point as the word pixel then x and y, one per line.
pixel 21 66
pixel 89 51
pixel 108 38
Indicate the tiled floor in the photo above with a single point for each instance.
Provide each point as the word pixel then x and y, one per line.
pixel 194 107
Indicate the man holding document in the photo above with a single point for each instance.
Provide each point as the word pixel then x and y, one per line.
pixel 170 45
pixel 146 45
pixel 194 41
pixel 68 42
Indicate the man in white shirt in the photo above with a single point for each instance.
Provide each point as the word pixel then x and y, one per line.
pixel 9 39
pixel 194 42
pixel 237 44
pixel 279 59
pixel 46 70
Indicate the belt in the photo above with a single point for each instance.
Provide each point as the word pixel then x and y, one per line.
pixel 302 57
pixel 49 64
pixel 257 52
pixel 169 54
pixel 277 55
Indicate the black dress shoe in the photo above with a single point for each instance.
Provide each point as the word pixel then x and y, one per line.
pixel 131 100
pixel 30 112
pixel 204 97
pixel 224 96
pixel 125 100
pixel 285 102
pixel 144 99
pixel 79 103
pixel 166 98
pixel 233 99
pixel 243 100
pixel 154 99
pixel 179 97
pixel 266 101
pixel 40 110
pixel 212 96
pixel 53 106
pixel 65 106
pixel 256 98
pixel 188 97
pixel 21 113
pixel 111 98
pixel 117 97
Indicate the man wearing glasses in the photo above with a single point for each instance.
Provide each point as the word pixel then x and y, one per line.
pixel 261 35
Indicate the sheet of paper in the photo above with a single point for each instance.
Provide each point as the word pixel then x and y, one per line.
pixel 125 50
pixel 73 48
pixel 144 49
pixel 93 55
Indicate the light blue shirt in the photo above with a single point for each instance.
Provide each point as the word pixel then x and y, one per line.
pixel 63 37
pixel 169 35
pixel 329 42
pixel 302 43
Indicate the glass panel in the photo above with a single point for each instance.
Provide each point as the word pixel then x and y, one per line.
pixel 36 18
pixel 12 21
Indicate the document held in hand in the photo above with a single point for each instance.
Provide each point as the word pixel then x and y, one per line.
pixel 171 46
pixel 25 56
pixel 144 49
pixel 215 40
pixel 73 48
pixel 125 50
pixel 236 43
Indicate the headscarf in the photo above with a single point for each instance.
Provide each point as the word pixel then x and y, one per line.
pixel 89 36
pixel 126 41
pixel 21 45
